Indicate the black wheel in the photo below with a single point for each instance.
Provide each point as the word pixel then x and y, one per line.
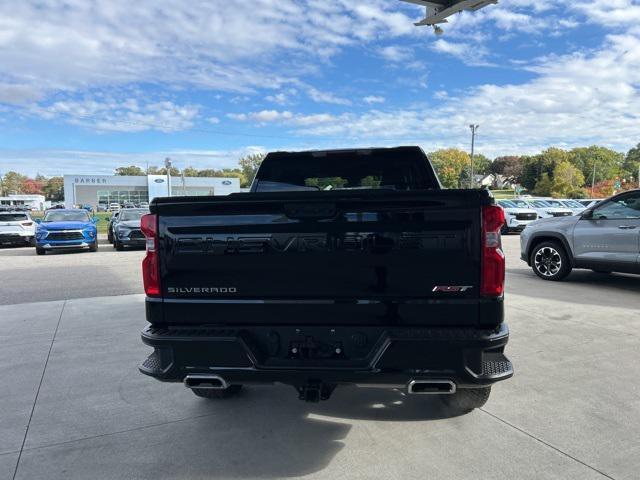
pixel 110 236
pixel 230 391
pixel 94 246
pixel 550 261
pixel 117 245
pixel 467 399
pixel 504 230
pixel 40 251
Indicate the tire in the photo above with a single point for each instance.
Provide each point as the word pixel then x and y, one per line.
pixel 94 246
pixel 228 392
pixel 110 237
pixel 504 230
pixel 40 251
pixel 117 245
pixel 466 400
pixel 550 261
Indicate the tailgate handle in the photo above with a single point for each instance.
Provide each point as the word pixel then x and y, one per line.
pixel 306 210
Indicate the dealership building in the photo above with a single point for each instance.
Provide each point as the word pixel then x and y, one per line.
pixel 106 189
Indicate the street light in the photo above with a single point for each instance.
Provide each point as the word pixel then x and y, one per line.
pixel 167 165
pixel 473 128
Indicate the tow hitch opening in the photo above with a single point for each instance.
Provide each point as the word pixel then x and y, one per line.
pixel 315 391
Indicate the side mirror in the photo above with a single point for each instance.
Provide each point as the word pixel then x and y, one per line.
pixel 587 215
pixel 38 220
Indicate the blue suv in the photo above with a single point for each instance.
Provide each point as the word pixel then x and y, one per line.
pixel 70 229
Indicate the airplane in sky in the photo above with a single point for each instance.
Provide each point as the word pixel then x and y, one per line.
pixel 439 11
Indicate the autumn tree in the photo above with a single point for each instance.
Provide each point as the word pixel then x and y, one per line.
pixel 450 164
pixel 510 167
pixel 53 189
pixel 608 163
pixel 12 183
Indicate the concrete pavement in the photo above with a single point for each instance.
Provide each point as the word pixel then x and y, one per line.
pixel 74 405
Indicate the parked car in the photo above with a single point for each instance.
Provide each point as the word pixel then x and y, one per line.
pixel 144 205
pixel 114 217
pixel 338 267
pixel 17 228
pixel 66 229
pixel 126 229
pixel 129 205
pixel 605 238
pixel 589 202
pixel 114 207
pixel 543 208
pixel 102 207
pixel 517 218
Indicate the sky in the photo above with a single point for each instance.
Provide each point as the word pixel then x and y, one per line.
pixel 89 86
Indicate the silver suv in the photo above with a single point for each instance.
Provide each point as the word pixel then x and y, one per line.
pixel 605 238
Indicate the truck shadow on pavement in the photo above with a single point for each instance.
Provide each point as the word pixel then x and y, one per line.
pixel 267 433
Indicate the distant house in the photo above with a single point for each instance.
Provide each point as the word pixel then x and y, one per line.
pixel 499 182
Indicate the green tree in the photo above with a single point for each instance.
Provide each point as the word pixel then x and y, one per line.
pixel 249 166
pixel 450 164
pixel 567 181
pixel 631 165
pixel 481 164
pixel 54 189
pixel 544 186
pixel 608 162
pixel 536 166
pixel 190 172
pixel 131 170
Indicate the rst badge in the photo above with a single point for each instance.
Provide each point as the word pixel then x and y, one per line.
pixel 451 289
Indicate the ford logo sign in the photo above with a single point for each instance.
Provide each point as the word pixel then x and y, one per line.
pixel 226 182
pixel 159 180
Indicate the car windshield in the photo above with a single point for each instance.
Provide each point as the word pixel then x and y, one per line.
pixel 13 217
pixel 520 203
pixel 572 204
pixel 540 204
pixel 61 216
pixel 129 215
pixel 507 204
pixel 554 203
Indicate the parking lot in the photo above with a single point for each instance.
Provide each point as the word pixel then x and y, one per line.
pixel 75 406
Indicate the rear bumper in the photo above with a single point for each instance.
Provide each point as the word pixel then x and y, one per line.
pixel 366 356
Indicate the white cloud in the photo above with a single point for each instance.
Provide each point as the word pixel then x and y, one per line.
pixel 233 45
pixel 120 115
pixel 396 53
pixel 371 99
pixel 58 162
pixel 326 97
pixel 471 54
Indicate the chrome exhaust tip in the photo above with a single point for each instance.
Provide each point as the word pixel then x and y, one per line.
pixel 431 387
pixel 207 382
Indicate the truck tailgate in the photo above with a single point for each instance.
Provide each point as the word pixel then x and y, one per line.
pixel 322 258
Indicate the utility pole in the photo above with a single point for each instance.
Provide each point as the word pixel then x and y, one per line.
pixel 593 180
pixel 473 128
pixel 167 165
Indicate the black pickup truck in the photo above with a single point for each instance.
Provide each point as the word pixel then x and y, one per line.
pixel 338 267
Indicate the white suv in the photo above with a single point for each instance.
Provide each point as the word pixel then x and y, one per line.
pixel 16 228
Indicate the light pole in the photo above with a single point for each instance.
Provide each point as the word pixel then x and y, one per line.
pixel 473 128
pixel 167 165
pixel 593 180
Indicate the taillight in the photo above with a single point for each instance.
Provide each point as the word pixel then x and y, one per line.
pixel 493 262
pixel 150 263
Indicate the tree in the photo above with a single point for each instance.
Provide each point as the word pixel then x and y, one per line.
pixel 249 166
pixel 190 172
pixel 450 164
pixel 12 183
pixel 567 181
pixel 631 165
pixel 608 162
pixel 510 167
pixel 54 189
pixel 544 186
pixel 132 170
pixel 481 164
pixel 31 187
